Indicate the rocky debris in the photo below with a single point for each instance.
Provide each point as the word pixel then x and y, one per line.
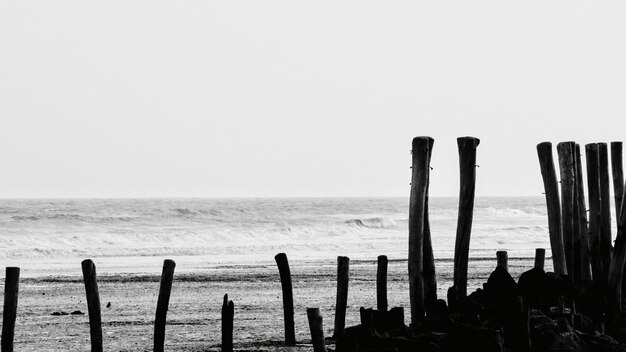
pixel 59 313
pixel 77 312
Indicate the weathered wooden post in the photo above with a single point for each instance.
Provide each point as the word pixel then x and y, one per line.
pixel 595 206
pixel 617 167
pixel 616 270
pixel 93 304
pixel 381 283
pixel 317 329
pixel 417 203
pixel 11 291
pixel 606 242
pixel 548 173
pixel 503 259
pixel 565 151
pixel 288 312
pixel 343 269
pixel 167 276
pixel 467 164
pixel 581 211
pixel 228 313
pixel 430 276
pixel 540 257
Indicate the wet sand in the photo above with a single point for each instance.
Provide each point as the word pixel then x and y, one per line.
pixel 196 300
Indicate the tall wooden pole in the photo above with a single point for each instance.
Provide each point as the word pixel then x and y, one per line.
pixel 316 327
pixel 167 277
pixel 583 229
pixel 606 242
pixel 228 314
pixel 343 269
pixel 467 164
pixel 93 304
pixel 11 291
pixel 381 283
pixel 430 276
pixel 595 206
pixel 417 204
pixel 566 152
pixel 288 312
pixel 616 269
pixel 548 173
pixel 617 167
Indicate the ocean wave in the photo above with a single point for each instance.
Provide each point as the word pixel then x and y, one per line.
pixel 372 223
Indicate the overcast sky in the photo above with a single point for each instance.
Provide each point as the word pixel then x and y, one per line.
pixel 298 98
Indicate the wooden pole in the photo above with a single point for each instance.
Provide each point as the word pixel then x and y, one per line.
pixel 540 257
pixel 595 206
pixel 616 270
pixel 467 164
pixel 285 282
pixel 606 241
pixel 548 173
pixel 228 313
pixel 503 259
pixel 566 152
pixel 93 304
pixel 581 207
pixel 618 175
pixel 343 269
pixel 381 283
pixel 417 203
pixel 163 302
pixel 11 291
pixel 317 329
pixel 430 276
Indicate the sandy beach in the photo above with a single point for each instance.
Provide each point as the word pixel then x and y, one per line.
pixel 195 304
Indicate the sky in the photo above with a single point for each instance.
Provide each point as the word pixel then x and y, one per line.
pixel 298 98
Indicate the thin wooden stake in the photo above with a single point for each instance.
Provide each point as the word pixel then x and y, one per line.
pixel 228 313
pixel 616 270
pixel 566 152
pixel 163 302
pixel 618 175
pixel 381 283
pixel 583 230
pixel 548 173
pixel 93 304
pixel 417 204
pixel 467 164
pixel 11 291
pixel 430 276
pixel 343 269
pixel 288 312
pixel 503 259
pixel 540 257
pixel 317 329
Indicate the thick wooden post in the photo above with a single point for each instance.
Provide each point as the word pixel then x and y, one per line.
pixel 467 164
pixel 503 259
pixel 606 241
pixel 317 329
pixel 163 302
pixel 430 276
pixel 581 210
pixel 381 283
pixel 540 257
pixel 288 312
pixel 228 313
pixel 343 269
pixel 616 270
pixel 417 203
pixel 548 173
pixel 11 291
pixel 566 152
pixel 617 167
pixel 595 206
pixel 93 304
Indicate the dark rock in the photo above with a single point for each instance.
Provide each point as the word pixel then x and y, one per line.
pixel 567 342
pixel 543 331
pixel 59 313
pixel 77 312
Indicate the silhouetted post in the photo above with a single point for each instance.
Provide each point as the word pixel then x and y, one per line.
pixel 616 270
pixel 548 173
pixel 285 282
pixel 503 259
pixel 417 204
pixel 606 242
pixel 430 276
pixel 343 269
pixel 467 164
pixel 595 206
pixel 228 313
pixel 93 304
pixel 317 329
pixel 581 209
pixel 11 291
pixel 540 257
pixel 381 283
pixel 163 302
pixel 618 175
pixel 566 152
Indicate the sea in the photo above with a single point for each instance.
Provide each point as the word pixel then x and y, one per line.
pixel 52 236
